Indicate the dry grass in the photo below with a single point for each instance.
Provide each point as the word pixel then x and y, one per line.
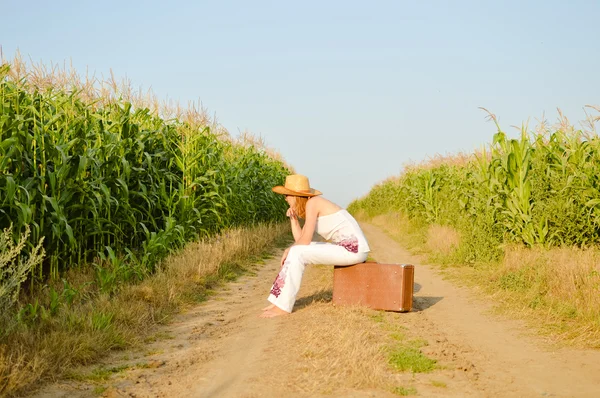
pixel 558 287
pixel 17 369
pixel 557 290
pixel 95 323
pixel 442 239
pixel 399 226
pixel 327 349
pixel 331 349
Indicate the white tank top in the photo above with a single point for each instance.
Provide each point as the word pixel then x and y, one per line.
pixel 342 229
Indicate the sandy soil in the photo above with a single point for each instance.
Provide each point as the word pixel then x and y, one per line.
pixel 221 349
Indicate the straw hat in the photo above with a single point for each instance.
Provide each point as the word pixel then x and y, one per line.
pixel 296 185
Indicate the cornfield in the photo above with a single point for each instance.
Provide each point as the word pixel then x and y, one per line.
pixel 104 179
pixel 542 188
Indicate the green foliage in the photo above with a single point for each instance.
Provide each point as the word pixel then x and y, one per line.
pixel 516 281
pixel 541 188
pixel 68 294
pixel 404 391
pixel 16 262
pixel 99 374
pixel 55 301
pixel 120 184
pixel 408 357
pixel 29 313
pixel 101 320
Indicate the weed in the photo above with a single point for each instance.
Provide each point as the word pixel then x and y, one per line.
pixel 98 390
pixel 29 313
pixel 377 317
pixel 404 391
pixel 98 374
pixel 408 357
pixel 101 321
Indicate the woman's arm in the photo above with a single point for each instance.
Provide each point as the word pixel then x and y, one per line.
pixel 303 236
pixel 296 228
pixel 310 223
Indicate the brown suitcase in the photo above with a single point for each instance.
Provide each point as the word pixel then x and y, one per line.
pixel 379 286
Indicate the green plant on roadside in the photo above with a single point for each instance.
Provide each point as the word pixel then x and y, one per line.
pixel 15 265
pixel 404 391
pixel 378 317
pixel 29 313
pixel 69 293
pixel 408 357
pixel 99 390
pixel 101 320
pixel 99 374
pixel 55 302
pixel 403 354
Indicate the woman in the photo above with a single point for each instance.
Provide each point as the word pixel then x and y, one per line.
pixel 348 243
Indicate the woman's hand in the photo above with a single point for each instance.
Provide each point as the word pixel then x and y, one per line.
pixel 284 256
pixel 291 213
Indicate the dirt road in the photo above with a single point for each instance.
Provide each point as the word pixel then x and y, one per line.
pixel 221 349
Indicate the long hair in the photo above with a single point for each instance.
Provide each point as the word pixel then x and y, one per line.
pixel 300 207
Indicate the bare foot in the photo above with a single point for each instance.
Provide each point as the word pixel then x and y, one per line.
pixel 273 312
pixel 268 307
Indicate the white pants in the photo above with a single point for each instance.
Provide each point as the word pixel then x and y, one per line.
pixel 286 285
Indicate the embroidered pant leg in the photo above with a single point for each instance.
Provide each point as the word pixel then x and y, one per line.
pixel 287 284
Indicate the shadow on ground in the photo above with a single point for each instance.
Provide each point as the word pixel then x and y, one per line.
pixel 322 296
pixel 423 303
pixel 326 295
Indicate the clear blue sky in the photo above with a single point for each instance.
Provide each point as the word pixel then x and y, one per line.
pixel 347 91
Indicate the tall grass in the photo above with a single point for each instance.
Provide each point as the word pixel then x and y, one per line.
pixel 538 190
pixel 102 177
pixel 98 185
